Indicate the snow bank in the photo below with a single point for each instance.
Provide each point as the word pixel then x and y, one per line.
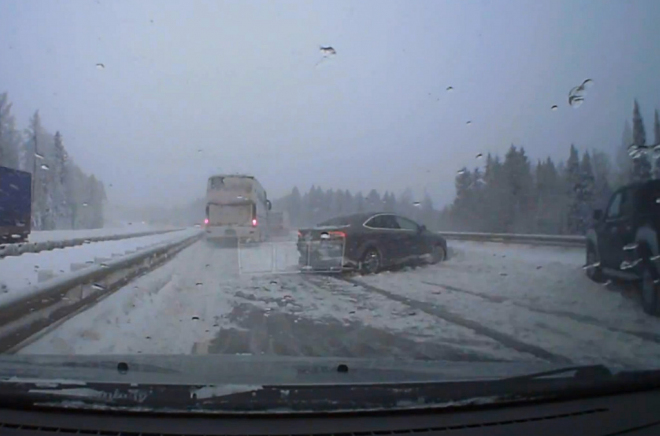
pixel 63 235
pixel 17 273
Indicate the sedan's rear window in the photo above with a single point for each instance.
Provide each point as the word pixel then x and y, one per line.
pixel 339 221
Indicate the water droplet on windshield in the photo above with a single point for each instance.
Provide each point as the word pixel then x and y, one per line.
pixel 588 83
pixel 450 88
pixel 45 167
pixel 328 51
pixel 417 204
pixel 593 265
pixel 98 287
pixel 575 101
pixel 198 284
pixel 39 156
pixel 122 367
pixel 554 107
pixel 479 155
pixel 100 66
pixel 576 95
pixel 461 171
pixel 630 247
pixel 85 204
pixel 195 318
pixel 468 122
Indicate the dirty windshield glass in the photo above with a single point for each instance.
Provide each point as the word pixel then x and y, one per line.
pixel 441 183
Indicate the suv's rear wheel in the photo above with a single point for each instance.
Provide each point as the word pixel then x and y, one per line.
pixel 593 268
pixel 649 291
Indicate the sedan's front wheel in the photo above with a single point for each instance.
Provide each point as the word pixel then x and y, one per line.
pixel 437 254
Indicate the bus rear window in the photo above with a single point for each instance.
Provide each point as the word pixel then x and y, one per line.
pixel 235 184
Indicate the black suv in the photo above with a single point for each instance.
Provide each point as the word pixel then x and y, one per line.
pixel 623 243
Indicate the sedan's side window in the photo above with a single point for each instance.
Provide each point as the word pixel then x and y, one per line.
pixel 375 222
pixel 390 222
pixel 406 224
pixel 614 210
pixel 382 222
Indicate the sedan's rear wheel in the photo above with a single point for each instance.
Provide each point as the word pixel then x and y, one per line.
pixel 371 261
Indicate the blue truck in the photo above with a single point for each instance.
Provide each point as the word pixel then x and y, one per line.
pixel 15 205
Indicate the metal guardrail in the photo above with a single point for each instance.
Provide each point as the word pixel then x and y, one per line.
pixel 49 303
pixel 35 247
pixel 512 238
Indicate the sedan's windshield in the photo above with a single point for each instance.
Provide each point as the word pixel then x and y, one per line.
pixel 462 184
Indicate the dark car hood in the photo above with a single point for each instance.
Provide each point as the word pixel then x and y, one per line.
pixel 248 370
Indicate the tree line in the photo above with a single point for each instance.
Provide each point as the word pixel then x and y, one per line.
pixel 64 197
pixel 509 194
pixel 318 205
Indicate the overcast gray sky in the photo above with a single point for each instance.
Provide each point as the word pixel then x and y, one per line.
pixel 241 81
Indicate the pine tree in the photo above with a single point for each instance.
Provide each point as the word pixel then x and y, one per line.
pixel 573 184
pixel 32 158
pixel 8 134
pixel 623 159
pixel 427 213
pixel 641 167
pixel 551 200
pixel 373 203
pixel 586 192
pixel 519 182
pixel 294 207
pixel 405 204
pixel 602 168
pixel 349 203
pixel 359 203
pixel 389 202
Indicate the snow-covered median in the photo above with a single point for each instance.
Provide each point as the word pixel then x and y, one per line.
pixel 20 272
pixel 63 235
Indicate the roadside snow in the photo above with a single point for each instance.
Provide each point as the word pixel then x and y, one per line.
pixel 19 272
pixel 63 235
pixel 539 295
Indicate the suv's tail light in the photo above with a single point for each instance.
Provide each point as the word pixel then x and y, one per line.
pixel 206 220
pixel 254 222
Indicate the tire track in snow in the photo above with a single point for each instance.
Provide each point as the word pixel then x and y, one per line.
pixel 481 329
pixel 647 336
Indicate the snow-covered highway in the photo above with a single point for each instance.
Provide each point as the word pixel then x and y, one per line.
pixel 488 302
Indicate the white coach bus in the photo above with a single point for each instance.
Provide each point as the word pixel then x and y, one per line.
pixel 236 208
